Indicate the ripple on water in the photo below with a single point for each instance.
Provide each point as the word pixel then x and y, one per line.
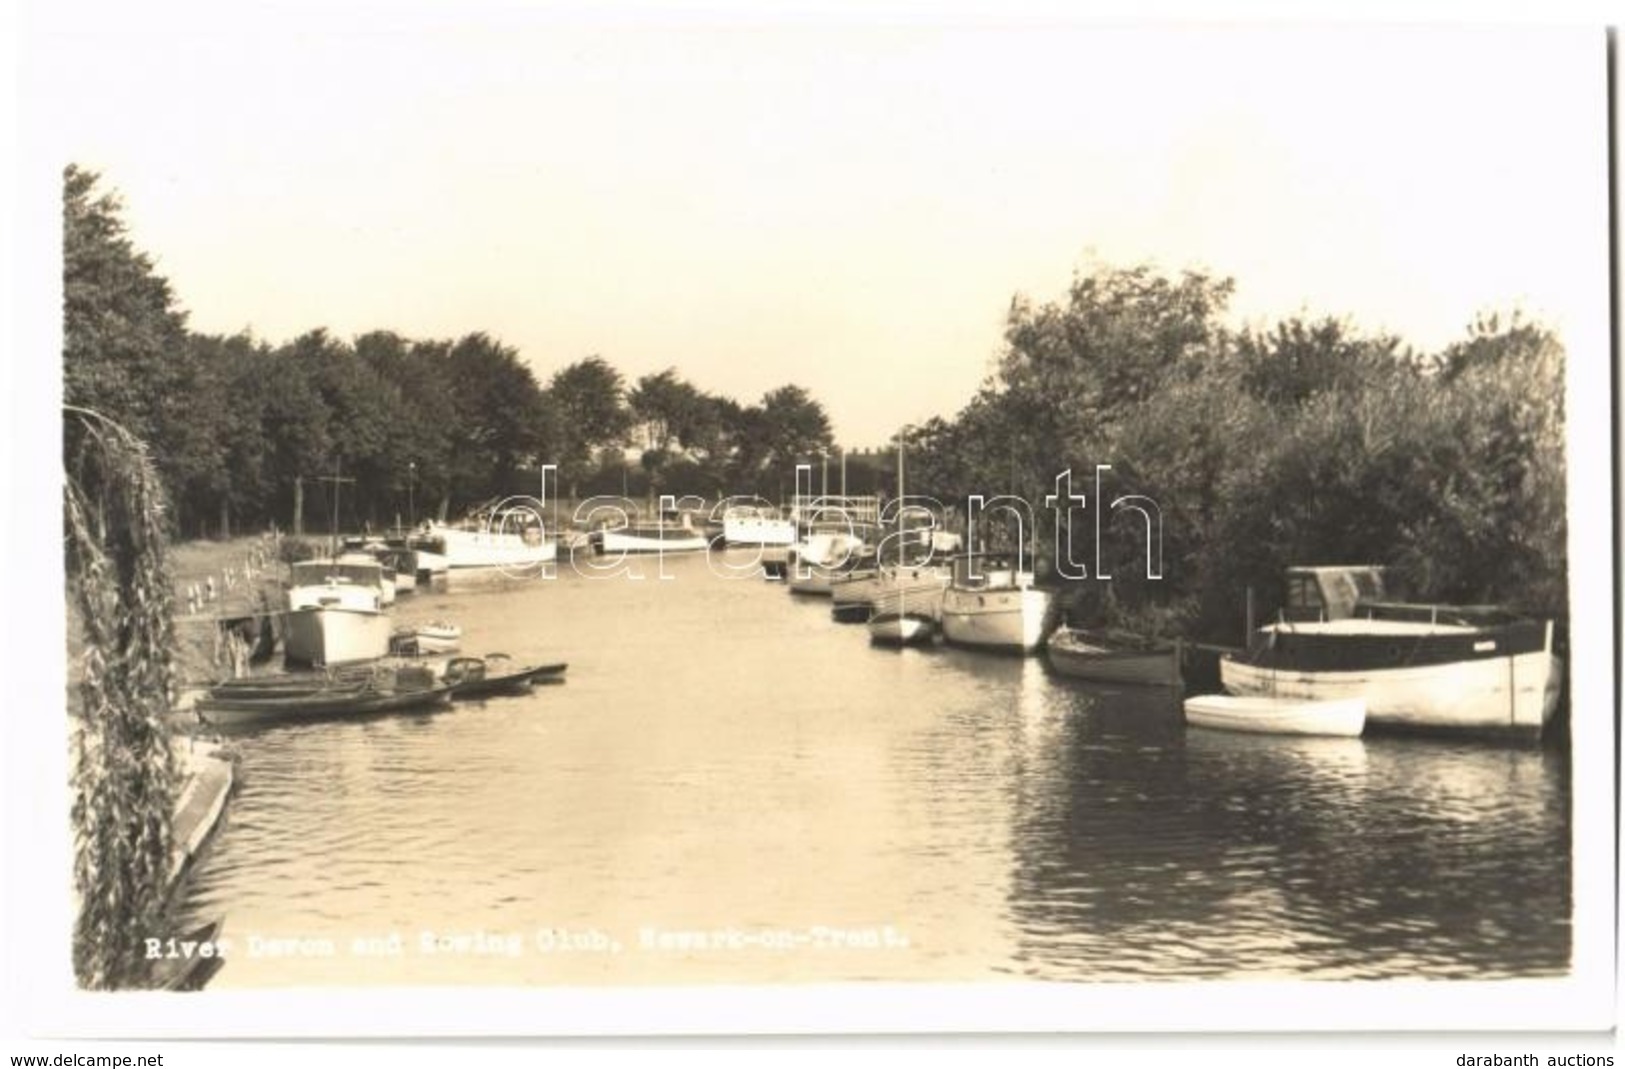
pixel 723 755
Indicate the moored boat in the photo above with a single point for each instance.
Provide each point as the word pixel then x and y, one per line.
pixel 199 956
pixel 285 686
pixel 852 593
pixel 224 709
pixel 1476 669
pixel 494 674
pixel 906 615
pixel 354 567
pixel 1113 657
pixel 828 551
pixel 863 596
pixel 399 564
pixel 776 562
pixel 335 613
pixel 756 525
pixel 433 637
pixel 490 541
pixel 901 629
pixel 817 580
pixel 665 536
pixel 1277 716
pixel 1484 677
pixel 991 603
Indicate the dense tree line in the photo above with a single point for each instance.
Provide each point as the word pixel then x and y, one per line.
pixel 246 433
pixel 1307 443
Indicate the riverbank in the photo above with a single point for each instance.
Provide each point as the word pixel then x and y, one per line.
pixel 215 583
pixel 210 581
pixel 208 776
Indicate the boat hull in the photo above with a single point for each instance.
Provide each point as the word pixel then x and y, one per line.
pixel 815 580
pixel 852 596
pixel 320 636
pixel 1343 717
pixel 1515 694
pixel 483 550
pixel 616 542
pixel 231 711
pixel 1008 620
pixel 902 629
pixel 757 531
pixel 917 599
pixel 776 562
pixel 421 641
pixel 1144 668
pixel 476 679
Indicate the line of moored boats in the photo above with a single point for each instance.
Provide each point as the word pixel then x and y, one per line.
pixel 1340 654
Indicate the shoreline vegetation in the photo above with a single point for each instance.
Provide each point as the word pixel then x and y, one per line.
pixel 1305 442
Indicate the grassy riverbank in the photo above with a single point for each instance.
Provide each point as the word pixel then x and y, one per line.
pixel 215 581
pixel 237 568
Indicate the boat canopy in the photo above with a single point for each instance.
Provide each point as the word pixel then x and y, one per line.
pixel 1331 592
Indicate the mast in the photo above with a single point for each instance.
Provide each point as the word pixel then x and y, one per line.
pixel 336 479
pixel 900 525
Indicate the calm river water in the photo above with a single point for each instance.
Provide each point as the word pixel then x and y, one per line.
pixel 732 788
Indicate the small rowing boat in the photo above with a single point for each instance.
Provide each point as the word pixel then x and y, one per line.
pixel 433 637
pixel 1113 657
pixel 223 707
pixel 474 677
pixel 1280 716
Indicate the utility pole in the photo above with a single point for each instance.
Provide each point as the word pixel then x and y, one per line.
pixel 298 506
pixel 336 479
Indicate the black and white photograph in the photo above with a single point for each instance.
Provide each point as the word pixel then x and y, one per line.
pixel 582 520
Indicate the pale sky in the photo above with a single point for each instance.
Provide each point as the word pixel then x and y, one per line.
pixel 837 201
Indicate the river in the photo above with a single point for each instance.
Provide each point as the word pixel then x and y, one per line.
pixel 730 787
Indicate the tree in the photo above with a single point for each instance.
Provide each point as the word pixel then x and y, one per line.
pixel 1082 364
pixel 420 460
pixel 1299 360
pixel 124 774
pixel 124 351
pixel 672 413
pixel 238 484
pixel 501 420
pixel 795 425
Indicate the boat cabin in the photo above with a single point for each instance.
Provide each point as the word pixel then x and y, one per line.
pixel 350 568
pixel 990 571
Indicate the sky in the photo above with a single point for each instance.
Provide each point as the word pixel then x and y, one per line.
pixel 846 201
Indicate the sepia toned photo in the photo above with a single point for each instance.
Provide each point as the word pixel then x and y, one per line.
pixel 577 523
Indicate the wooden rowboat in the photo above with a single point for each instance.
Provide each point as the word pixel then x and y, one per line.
pixel 223 709
pixel 1113 657
pixel 433 637
pixel 190 969
pixel 901 629
pixel 1286 716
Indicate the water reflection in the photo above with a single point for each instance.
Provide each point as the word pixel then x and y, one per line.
pixel 724 757
pixel 1149 849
